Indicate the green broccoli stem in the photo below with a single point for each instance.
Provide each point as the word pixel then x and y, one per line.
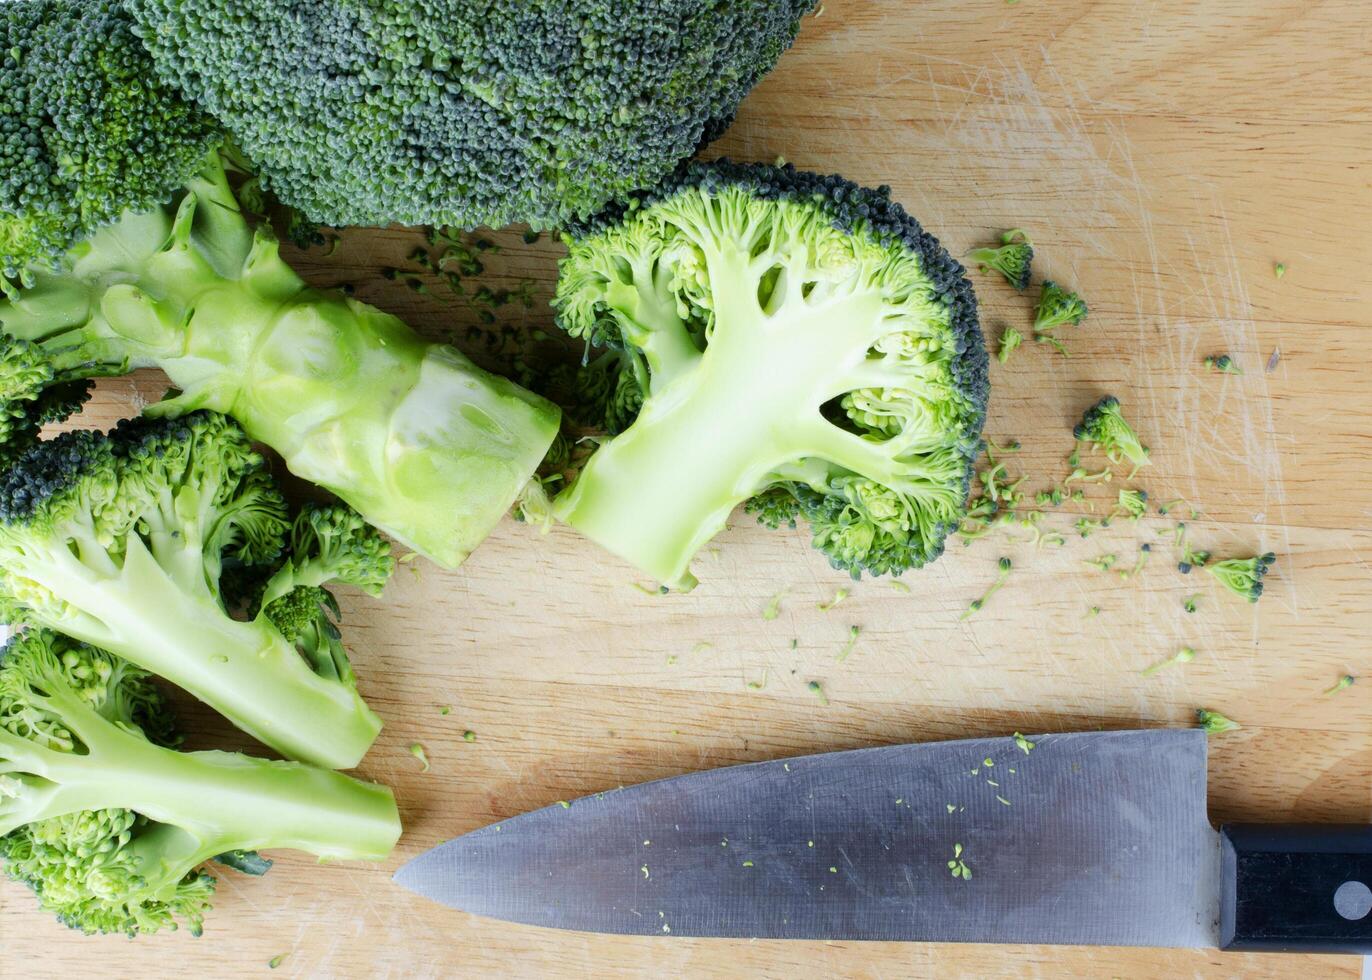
pixel 415 437
pixel 735 417
pixel 212 801
pixel 247 671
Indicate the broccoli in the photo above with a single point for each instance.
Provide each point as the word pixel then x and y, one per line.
pixel 1133 504
pixel 110 826
pixel 1012 259
pixel 1243 576
pixel 1057 307
pixel 1214 723
pixel 1224 364
pixel 164 271
pixel 1002 573
pixel 804 347
pixel 1103 425
pixel 1010 340
pixel 122 541
pixel 468 112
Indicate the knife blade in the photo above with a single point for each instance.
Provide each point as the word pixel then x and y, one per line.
pixel 1091 838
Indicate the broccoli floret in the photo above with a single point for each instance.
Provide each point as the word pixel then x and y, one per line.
pixel 413 435
pixel 1057 307
pixel 1103 425
pixel 1214 723
pixel 1012 259
pixel 802 343
pixel 1010 339
pixel 466 113
pixel 110 827
pixel 1133 504
pixel 86 132
pixel 121 541
pixel 1243 576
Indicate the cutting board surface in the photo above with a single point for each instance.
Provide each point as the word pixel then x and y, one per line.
pixel 1163 156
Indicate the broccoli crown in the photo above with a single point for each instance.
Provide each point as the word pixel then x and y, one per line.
pixel 122 540
pixel 466 112
pixel 795 339
pixel 86 129
pixel 1104 425
pixel 109 825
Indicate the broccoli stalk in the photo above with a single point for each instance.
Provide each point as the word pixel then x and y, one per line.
pixel 110 828
pixel 803 343
pixel 122 542
pixel 413 435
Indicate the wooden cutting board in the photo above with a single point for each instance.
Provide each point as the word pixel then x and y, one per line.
pixel 1163 156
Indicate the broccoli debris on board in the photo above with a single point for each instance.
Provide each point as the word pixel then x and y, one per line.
pixel 127 248
pixel 1057 307
pixel 1242 576
pixel 1215 723
pixel 466 112
pixel 111 826
pixel 1012 259
pixel 800 344
pixel 144 541
pixel 1222 363
pixel 1104 426
pixel 1010 339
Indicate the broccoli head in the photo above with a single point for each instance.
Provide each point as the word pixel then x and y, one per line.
pixel 802 343
pixel 86 132
pixel 462 112
pixel 122 541
pixel 1104 425
pixel 110 826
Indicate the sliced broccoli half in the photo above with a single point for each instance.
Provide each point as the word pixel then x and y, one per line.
pixel 110 826
pixel 466 112
pixel 803 346
pixel 1104 425
pixel 122 541
pixel 163 270
pixel 1013 259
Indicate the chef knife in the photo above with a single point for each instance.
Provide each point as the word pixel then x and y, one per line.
pixel 1097 838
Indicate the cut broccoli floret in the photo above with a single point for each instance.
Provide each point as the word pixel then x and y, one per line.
pixel 803 344
pixel 1242 576
pixel 1012 259
pixel 413 435
pixel 467 112
pixel 1010 339
pixel 110 827
pixel 121 541
pixel 1057 307
pixel 1103 425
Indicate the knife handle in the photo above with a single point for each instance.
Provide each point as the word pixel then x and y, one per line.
pixel 1296 888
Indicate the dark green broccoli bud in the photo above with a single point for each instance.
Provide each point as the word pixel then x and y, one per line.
pixel 469 112
pixel 1104 426
pixel 1057 307
pixel 1192 559
pixel 1243 576
pixel 111 828
pixel 1224 364
pixel 789 333
pixel 123 540
pixel 1012 259
pixel 1003 573
pixel 1010 339
pixel 86 133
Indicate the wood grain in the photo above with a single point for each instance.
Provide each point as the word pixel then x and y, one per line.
pixel 1163 156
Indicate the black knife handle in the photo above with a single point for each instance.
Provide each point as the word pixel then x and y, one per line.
pixel 1301 888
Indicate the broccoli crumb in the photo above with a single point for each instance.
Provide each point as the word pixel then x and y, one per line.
pixel 839 596
pixel 417 751
pixel 469 736
pixel 773 607
pixel 853 632
pixel 1003 572
pixel 276 961
pixel 958 866
pixel 1183 656
pixel 1010 339
pixel 1222 363
pixel 1279 269
pixel 1190 603
pixel 1023 744
pixel 1342 684
pixel 1214 723
pixel 817 690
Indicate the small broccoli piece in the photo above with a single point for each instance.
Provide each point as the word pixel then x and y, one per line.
pixel 1012 259
pixel 1133 504
pixel 1053 342
pixel 1104 426
pixel 1192 559
pixel 1104 562
pixel 122 541
pixel 1214 723
pixel 466 112
pixel 1010 339
pixel 1243 576
pixel 1183 656
pixel 111 828
pixel 1003 573
pixel 1057 307
pixel 1190 603
pixel 1224 364
pixel 1342 684
pixel 791 335
pixel 1086 526
pixel 1279 269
